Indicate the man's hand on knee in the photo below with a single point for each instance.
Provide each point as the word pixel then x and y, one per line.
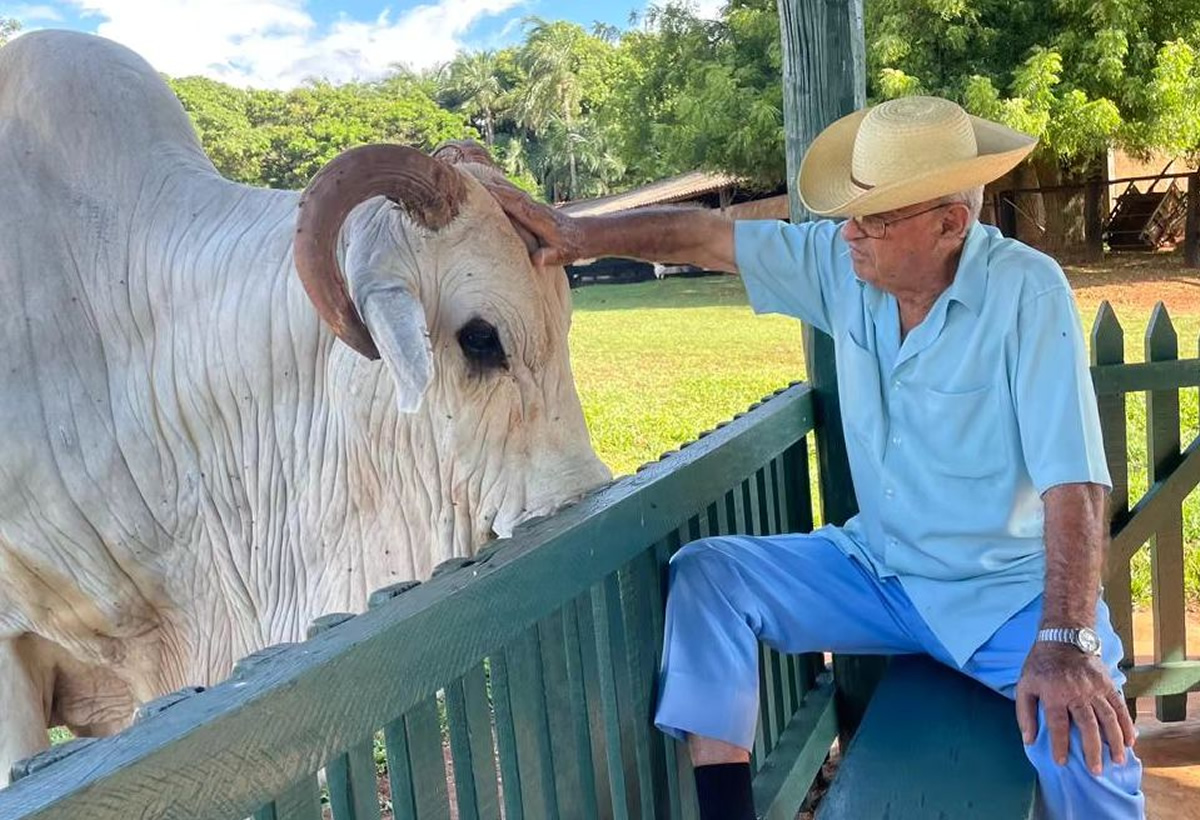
pixel 1073 688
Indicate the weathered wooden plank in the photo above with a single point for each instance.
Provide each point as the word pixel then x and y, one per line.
pixel 735 521
pixel 1170 678
pixel 353 791
pixel 427 761
pixel 751 508
pixel 563 733
pixel 772 673
pixel 1137 377
pixel 1163 497
pixel 765 732
pixel 395 744
pixel 460 751
pixel 641 666
pixel 281 718
pixel 775 503
pixel 506 738
pixel 585 620
pixel 603 602
pixel 585 807
pixel 483 749
pixel 961 756
pixel 783 514
pixel 658 594
pixel 785 777
pixel 796 483
pixel 300 801
pixel 1166 547
pixel 527 695
pixel 1108 348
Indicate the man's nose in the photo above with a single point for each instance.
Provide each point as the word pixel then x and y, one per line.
pixel 852 230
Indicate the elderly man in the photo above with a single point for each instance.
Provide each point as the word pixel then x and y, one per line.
pixel 974 444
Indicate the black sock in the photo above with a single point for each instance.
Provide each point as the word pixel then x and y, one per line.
pixel 723 792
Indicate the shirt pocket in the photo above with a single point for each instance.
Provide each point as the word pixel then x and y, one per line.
pixel 961 432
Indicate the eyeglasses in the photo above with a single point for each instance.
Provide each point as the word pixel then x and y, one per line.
pixel 876 226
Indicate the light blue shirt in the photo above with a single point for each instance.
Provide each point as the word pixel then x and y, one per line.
pixel 954 434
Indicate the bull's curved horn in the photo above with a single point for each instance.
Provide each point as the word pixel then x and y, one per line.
pixel 460 151
pixel 430 192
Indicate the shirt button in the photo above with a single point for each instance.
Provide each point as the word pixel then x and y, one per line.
pixel 889 492
pixel 895 439
pixel 897 384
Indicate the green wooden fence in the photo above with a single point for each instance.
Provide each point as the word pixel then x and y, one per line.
pixel 1157 518
pixel 520 684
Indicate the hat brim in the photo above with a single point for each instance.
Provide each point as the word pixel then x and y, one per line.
pixel 826 186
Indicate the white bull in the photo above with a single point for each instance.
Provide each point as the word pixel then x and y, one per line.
pixel 192 466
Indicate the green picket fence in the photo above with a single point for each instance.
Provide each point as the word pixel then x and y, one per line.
pixel 517 685
pixel 1157 518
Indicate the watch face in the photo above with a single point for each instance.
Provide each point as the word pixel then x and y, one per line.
pixel 1089 641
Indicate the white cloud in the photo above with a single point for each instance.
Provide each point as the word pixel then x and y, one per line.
pixel 277 44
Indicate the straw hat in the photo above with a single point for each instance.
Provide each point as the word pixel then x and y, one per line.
pixel 902 152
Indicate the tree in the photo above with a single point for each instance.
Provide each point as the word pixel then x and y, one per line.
pixel 319 121
pixel 9 28
pixel 281 139
pixel 552 94
pixel 474 84
pixel 1077 74
pixel 704 94
pixel 221 116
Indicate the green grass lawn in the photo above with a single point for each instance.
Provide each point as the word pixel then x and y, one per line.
pixel 658 362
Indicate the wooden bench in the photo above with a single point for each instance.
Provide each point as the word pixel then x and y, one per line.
pixel 933 745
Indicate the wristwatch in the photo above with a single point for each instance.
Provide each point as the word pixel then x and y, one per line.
pixel 1084 639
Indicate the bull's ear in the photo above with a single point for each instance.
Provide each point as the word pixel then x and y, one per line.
pixel 396 319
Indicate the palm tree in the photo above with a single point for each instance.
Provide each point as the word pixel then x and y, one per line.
pixel 553 91
pixel 474 83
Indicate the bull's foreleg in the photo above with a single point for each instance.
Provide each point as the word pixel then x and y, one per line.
pixel 24 704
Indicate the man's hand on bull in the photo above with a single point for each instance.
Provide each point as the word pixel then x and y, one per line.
pixel 553 237
pixel 1073 688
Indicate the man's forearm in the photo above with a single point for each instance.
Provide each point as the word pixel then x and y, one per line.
pixel 689 235
pixel 1075 540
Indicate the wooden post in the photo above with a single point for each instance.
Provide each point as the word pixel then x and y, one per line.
pixel 824 78
pixel 1166 547
pixel 1006 214
pixel 1093 223
pixel 1108 347
pixel 1191 239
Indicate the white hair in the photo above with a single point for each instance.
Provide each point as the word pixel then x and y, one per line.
pixel 972 198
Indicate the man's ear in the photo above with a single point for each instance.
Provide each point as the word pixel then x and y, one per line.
pixel 956 221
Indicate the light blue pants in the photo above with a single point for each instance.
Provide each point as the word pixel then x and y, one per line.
pixel 800 593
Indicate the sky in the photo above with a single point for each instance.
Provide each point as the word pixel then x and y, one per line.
pixel 280 43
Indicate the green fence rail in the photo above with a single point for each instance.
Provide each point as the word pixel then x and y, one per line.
pixel 519 684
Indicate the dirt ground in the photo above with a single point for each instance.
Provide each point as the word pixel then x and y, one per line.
pixel 1133 283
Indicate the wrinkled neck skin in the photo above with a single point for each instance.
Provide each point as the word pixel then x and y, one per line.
pixel 289 484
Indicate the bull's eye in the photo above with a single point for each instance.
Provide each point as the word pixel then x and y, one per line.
pixel 481 345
